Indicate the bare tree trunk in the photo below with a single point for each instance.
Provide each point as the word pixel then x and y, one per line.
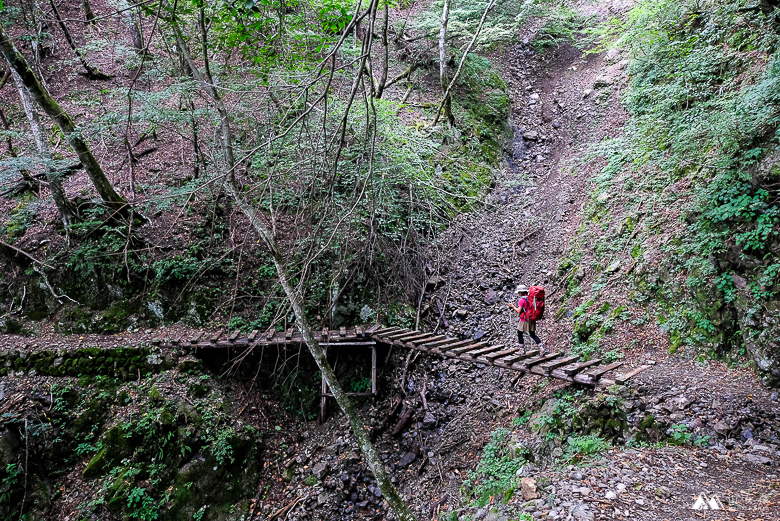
pixel 88 14
pixel 63 120
pixel 385 47
pixel 65 208
pixel 131 21
pixel 446 104
pixel 358 429
pixel 92 73
pixel 446 97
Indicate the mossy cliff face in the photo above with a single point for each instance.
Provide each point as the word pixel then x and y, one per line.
pixel 123 362
pixel 166 447
pixel 759 324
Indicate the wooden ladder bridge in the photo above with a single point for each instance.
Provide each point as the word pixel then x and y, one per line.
pixel 555 365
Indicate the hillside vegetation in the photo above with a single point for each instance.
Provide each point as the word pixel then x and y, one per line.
pixel 687 203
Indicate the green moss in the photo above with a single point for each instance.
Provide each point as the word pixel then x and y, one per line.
pixel 311 480
pixel 154 395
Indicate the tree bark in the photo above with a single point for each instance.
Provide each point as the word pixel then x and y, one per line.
pixel 446 104
pixel 63 120
pixel 231 186
pixel 446 97
pixel 92 73
pixel 386 48
pixel 88 14
pixel 65 208
pixel 131 21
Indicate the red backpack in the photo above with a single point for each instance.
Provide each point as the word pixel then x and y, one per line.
pixel 534 310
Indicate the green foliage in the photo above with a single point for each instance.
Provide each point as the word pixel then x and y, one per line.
pixel 579 447
pixel 679 434
pixel 141 506
pixel 495 473
pixel 522 420
pixel 702 139
pixel 11 478
pixel 360 385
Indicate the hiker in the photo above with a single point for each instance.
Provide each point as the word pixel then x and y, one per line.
pixel 526 324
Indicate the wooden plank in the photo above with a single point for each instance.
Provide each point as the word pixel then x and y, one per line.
pixel 373 370
pixel 252 335
pixel 288 334
pixel 337 343
pixel 425 341
pixel 561 362
pixel 373 329
pixel 330 395
pixel 552 374
pixel 595 375
pixel 417 338
pixel 386 331
pixel 358 331
pixel 324 334
pixel 509 360
pixel 176 340
pixel 216 337
pixel 528 354
pixel 232 338
pixel 493 356
pixel 324 389
pixel 400 334
pixel 194 340
pixel 269 335
pixel 486 350
pixel 542 359
pixel 438 343
pixel 621 378
pixel 405 337
pixel 459 343
pixel 461 350
pixel 342 331
pixel 579 367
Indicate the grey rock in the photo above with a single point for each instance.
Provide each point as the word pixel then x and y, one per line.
pixel 663 492
pixel 429 421
pixel 435 282
pixel 478 333
pixel 491 297
pixel 407 459
pixel 756 459
pixel 320 470
pixel 531 135
pixel 580 512
pixel 612 56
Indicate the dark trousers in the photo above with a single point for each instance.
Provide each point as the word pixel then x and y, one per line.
pixel 534 336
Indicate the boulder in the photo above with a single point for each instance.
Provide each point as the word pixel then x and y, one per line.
pixel 320 470
pixel 580 512
pixel 755 459
pixel 529 489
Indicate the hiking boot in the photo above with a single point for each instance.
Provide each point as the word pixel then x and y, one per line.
pixel 522 346
pixel 542 350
